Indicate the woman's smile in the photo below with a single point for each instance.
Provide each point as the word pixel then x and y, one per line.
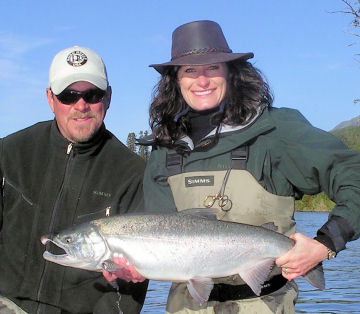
pixel 203 86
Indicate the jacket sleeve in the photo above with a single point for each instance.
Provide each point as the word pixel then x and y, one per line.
pixel 313 161
pixel 157 192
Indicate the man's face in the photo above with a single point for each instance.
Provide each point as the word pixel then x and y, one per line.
pixel 79 121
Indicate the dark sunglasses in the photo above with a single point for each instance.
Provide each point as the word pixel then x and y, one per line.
pixel 91 96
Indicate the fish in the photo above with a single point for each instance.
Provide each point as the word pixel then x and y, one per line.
pixel 178 247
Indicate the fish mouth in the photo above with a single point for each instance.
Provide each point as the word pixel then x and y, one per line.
pixel 66 259
pixel 45 240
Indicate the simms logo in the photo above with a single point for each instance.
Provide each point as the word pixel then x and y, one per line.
pixel 100 193
pixel 199 181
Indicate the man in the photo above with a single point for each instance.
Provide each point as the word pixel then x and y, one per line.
pixel 60 173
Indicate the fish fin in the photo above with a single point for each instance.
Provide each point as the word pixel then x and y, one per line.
pixel 173 287
pixel 207 213
pixel 270 226
pixel 316 277
pixel 256 274
pixel 200 288
pixel 110 266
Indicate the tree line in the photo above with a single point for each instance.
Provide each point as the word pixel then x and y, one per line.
pixel 141 150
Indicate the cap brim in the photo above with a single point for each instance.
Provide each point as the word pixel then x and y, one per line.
pixel 58 86
pixel 202 59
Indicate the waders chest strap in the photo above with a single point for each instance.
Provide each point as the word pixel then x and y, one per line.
pixel 173 163
pixel 239 157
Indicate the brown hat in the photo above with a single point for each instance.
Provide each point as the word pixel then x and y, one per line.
pixel 199 43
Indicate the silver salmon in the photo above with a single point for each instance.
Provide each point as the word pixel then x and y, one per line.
pixel 177 247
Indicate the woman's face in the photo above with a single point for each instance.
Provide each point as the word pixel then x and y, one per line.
pixel 203 86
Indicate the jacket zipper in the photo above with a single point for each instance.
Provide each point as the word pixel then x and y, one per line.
pixel 52 220
pixel 107 211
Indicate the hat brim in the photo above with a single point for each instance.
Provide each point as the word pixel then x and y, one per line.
pixel 202 59
pixel 59 85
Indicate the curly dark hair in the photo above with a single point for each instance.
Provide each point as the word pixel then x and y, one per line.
pixel 247 90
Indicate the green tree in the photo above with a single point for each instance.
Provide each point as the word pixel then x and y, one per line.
pixel 314 203
pixel 350 136
pixel 130 142
pixel 143 151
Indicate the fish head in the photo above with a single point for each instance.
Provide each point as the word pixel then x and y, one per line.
pixel 84 247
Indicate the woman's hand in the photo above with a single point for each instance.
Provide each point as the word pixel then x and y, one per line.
pixel 126 272
pixel 305 255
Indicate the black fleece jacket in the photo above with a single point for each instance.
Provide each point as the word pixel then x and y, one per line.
pixel 49 184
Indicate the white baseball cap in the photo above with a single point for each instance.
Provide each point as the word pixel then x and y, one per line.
pixel 77 64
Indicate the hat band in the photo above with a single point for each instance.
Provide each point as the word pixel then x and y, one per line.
pixel 201 51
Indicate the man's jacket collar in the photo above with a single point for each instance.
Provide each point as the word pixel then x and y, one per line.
pixel 85 149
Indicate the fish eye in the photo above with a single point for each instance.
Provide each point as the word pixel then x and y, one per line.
pixel 68 240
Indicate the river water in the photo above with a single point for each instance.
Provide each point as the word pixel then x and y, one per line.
pixel 342 275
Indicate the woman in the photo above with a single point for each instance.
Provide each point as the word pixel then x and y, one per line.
pixel 217 142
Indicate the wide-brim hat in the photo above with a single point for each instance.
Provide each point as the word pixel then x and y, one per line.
pixel 199 43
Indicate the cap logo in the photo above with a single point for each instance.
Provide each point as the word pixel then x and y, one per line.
pixel 76 58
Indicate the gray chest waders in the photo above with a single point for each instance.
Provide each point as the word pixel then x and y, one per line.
pixel 239 198
pixel 234 192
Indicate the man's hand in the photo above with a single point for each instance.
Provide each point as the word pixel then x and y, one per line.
pixel 126 272
pixel 305 255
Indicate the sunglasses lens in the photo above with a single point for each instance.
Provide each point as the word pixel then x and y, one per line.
pixel 68 97
pixel 91 96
